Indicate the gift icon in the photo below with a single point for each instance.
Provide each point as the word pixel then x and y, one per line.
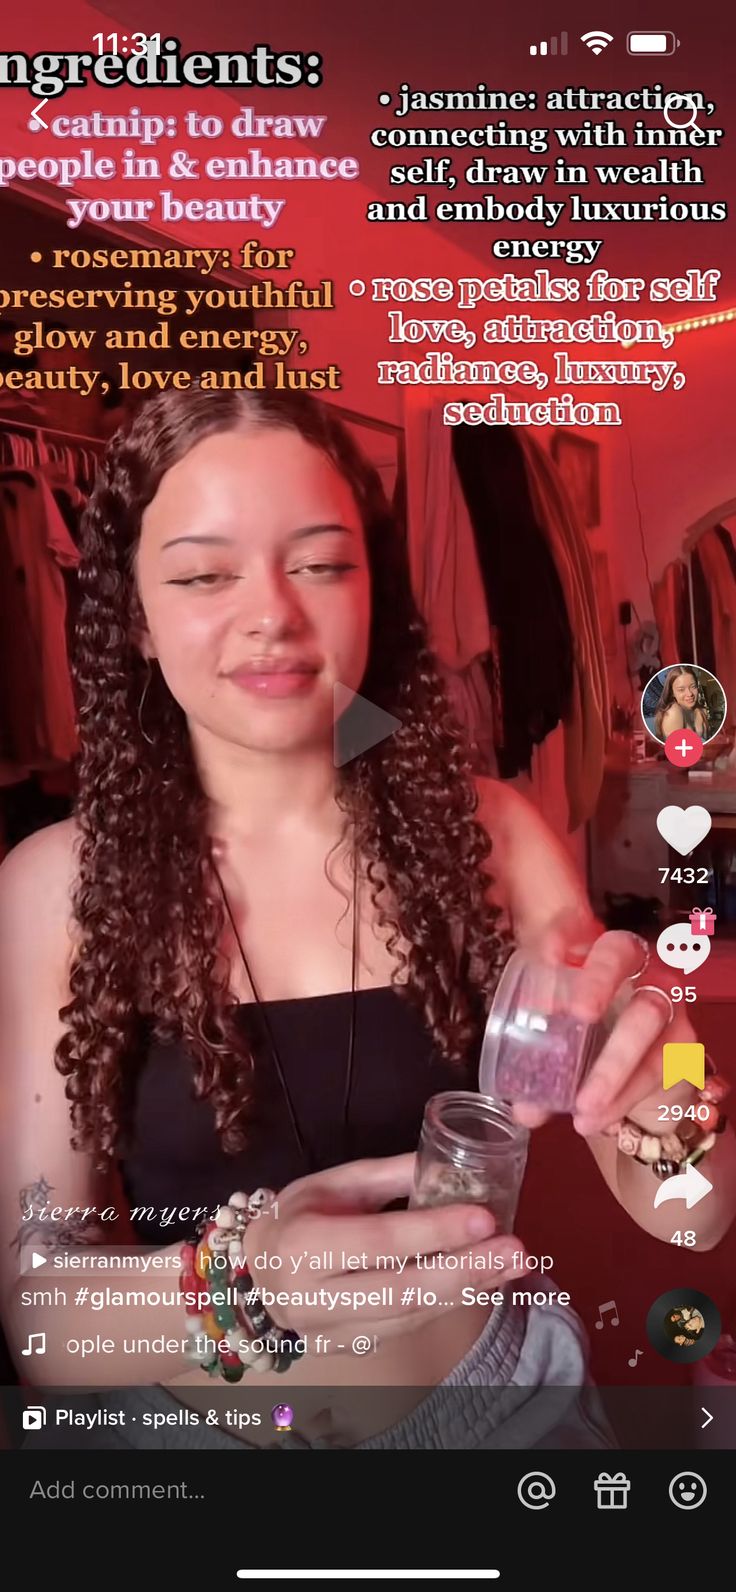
pixel 703 920
pixel 612 1491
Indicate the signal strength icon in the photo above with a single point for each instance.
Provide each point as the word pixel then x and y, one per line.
pixel 550 46
pixel 597 40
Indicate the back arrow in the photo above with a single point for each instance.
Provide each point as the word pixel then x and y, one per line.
pixel 708 1417
pixel 37 120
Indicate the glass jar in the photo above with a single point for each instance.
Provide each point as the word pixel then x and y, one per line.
pixel 470 1152
pixel 539 1045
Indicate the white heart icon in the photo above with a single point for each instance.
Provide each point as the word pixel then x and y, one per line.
pixel 684 827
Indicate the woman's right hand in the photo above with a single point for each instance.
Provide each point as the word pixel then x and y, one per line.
pixel 325 1219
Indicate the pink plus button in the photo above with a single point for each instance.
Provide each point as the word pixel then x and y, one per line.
pixel 683 748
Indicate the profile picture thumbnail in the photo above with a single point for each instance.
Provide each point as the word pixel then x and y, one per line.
pixel 683 696
pixel 683 1325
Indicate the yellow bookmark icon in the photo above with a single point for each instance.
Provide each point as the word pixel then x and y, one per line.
pixel 684 1063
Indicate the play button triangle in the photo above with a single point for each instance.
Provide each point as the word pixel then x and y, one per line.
pixel 359 724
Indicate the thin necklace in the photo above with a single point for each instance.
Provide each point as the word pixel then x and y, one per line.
pixel 306 1155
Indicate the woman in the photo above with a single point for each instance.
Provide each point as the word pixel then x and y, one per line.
pixel 684 1326
pixel 303 925
pixel 682 705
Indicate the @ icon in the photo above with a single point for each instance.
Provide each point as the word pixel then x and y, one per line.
pixel 536 1490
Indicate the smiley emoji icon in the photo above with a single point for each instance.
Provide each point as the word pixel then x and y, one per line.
pixel 688 1490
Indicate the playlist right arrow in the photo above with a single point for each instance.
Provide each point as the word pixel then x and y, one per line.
pixel 708 1417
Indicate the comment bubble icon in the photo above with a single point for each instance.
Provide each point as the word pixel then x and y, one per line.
pixel 680 948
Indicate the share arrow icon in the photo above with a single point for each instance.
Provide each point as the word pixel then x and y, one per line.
pixel 689 1186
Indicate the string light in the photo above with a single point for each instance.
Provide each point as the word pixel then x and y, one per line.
pixel 695 324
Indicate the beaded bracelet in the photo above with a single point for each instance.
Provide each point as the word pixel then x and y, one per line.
pixel 667 1153
pixel 231 1302
pixel 198 1320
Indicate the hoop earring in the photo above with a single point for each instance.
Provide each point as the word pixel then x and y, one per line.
pixel 146 683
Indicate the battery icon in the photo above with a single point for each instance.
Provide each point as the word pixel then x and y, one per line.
pixel 663 43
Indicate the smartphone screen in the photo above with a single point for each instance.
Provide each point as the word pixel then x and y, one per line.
pixel 367 776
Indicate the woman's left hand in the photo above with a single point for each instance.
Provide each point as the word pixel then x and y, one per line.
pixel 626 1078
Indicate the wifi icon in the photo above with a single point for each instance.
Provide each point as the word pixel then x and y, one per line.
pixel 596 40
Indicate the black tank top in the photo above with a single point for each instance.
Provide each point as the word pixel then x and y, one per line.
pixel 175 1159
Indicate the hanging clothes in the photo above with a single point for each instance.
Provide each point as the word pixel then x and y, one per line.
pixel 703 614
pixel 587 717
pixel 446 577
pixel 672 612
pixel 718 573
pixel 19 729
pixel 443 561
pixel 726 541
pixel 37 719
pixel 523 591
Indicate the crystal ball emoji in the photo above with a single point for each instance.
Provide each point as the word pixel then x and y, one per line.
pixel 282 1416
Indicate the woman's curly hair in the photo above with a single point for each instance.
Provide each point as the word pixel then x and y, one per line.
pixel 147 915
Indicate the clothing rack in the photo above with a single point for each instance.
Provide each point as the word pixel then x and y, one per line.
pixel 73 453
pixel 97 444
pixel 46 475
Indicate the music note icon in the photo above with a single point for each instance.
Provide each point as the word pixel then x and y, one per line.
pixel 637 1356
pixel 602 1311
pixel 33 1338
